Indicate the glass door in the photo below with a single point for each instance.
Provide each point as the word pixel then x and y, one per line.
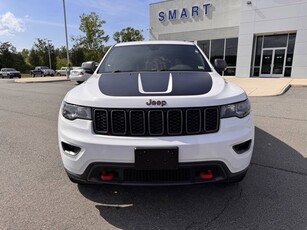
pixel 278 62
pixel 273 62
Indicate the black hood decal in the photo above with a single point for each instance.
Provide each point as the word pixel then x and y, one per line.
pixel 155 83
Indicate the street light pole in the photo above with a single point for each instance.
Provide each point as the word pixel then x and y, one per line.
pixel 49 53
pixel 67 51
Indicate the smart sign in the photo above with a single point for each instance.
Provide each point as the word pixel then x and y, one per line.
pixel 184 13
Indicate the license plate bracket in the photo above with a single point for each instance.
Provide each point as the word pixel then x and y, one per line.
pixel 156 158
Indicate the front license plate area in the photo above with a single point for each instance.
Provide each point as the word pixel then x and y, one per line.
pixel 156 158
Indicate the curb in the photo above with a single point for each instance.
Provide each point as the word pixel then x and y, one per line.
pixel 40 81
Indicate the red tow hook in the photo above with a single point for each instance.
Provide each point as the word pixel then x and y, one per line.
pixel 206 176
pixel 106 176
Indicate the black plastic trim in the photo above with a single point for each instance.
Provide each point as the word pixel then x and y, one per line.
pixel 226 175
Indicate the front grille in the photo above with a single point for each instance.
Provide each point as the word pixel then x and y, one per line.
pixel 156 122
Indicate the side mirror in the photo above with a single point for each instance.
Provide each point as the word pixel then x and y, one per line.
pixel 89 67
pixel 220 65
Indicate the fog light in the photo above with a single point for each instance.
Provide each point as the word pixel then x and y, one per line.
pixel 70 149
pixel 243 147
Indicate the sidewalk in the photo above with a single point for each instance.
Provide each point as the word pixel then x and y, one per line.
pixel 255 87
pixel 41 79
pixel 259 87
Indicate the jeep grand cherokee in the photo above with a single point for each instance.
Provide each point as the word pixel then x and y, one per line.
pixel 156 113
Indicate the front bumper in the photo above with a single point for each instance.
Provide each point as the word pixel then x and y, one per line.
pixel 187 173
pixel 196 153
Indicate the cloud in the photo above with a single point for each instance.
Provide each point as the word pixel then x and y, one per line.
pixel 48 23
pixel 9 24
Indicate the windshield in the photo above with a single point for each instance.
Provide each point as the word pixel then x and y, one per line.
pixel 154 57
pixel 11 69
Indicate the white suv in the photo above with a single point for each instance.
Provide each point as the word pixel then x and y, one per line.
pixel 156 113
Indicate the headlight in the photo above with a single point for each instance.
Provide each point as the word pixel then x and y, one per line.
pixel 72 112
pixel 240 109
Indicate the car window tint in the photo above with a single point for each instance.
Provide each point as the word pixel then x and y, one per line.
pixel 154 57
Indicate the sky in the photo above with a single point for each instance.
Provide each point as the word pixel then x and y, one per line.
pixel 23 21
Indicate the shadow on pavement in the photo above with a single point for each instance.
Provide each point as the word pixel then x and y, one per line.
pixel 272 194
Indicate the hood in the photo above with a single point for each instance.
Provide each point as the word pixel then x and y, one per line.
pixel 155 84
pixel 133 90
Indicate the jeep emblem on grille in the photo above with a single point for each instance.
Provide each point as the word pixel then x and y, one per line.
pixel 152 102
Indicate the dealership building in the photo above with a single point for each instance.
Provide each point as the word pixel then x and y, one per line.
pixel 257 38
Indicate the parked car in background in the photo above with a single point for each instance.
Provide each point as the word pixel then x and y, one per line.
pixel 42 71
pixel 9 73
pixel 62 71
pixel 79 74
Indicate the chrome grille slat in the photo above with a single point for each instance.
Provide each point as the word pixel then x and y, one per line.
pixel 156 122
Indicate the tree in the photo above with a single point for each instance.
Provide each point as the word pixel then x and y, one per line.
pixel 94 37
pixel 39 53
pixel 7 51
pixel 91 26
pixel 128 34
pixel 10 58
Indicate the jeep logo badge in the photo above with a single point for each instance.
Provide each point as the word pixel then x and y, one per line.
pixel 152 102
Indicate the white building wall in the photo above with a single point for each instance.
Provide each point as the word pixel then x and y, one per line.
pixel 222 21
pixel 236 18
pixel 269 17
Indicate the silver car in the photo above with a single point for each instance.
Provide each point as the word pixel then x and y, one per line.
pixel 78 74
pixel 9 72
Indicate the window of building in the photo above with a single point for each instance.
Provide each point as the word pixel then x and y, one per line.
pixel 222 49
pixel 231 56
pixel 217 49
pixel 205 46
pixel 272 41
pixel 289 58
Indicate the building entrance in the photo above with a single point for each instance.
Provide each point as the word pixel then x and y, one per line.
pixel 273 55
pixel 273 62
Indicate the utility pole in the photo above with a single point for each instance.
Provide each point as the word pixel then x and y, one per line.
pixel 67 51
pixel 49 53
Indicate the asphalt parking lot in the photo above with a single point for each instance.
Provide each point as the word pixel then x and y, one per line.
pixel 36 193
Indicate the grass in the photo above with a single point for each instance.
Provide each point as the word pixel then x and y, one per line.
pixel 25 75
